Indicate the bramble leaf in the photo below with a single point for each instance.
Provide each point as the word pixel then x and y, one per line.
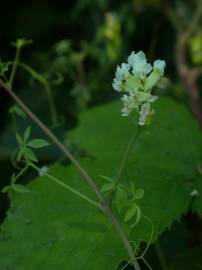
pixel 69 233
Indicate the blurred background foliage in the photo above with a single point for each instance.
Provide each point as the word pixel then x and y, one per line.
pixel 76 47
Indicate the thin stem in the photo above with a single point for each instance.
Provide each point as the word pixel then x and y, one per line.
pixel 105 207
pixel 123 237
pixel 126 154
pixel 124 159
pixel 59 182
pixel 151 236
pixel 51 104
pixel 21 172
pixel 37 76
pixel 146 263
pixel 14 67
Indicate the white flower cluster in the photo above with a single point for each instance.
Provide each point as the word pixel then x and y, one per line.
pixel 136 78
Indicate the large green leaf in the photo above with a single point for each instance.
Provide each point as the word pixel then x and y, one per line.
pixel 163 161
pixel 49 228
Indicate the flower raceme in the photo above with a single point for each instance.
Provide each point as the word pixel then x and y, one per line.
pixel 136 79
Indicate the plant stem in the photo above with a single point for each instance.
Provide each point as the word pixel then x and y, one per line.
pixel 124 159
pixel 59 182
pixel 146 263
pixel 105 207
pixel 126 153
pixel 51 104
pixel 21 172
pixel 14 67
pixel 38 77
pixel 123 237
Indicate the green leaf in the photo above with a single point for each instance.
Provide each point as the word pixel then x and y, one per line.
pixel 19 188
pixel 137 217
pixel 29 154
pixel 69 233
pixel 37 143
pixel 121 198
pixel 130 212
pixel 27 134
pixel 166 174
pixel 51 228
pixel 107 187
pixel 20 154
pixel 19 139
pixel 18 111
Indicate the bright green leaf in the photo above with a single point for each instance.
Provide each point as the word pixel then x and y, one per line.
pixel 121 198
pixel 19 140
pixel 37 143
pixel 29 154
pixel 27 134
pixel 130 212
pixel 20 154
pixel 137 216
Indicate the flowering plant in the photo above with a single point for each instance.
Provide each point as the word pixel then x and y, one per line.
pixel 137 78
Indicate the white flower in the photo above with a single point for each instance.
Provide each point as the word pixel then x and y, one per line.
pixel 129 104
pixel 122 72
pixel 139 63
pixel 160 65
pixel 144 113
pixel 137 79
pixel 117 85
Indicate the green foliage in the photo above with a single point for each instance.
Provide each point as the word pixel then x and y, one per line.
pixel 16 187
pixel 25 146
pixel 4 68
pixel 155 163
pixel 21 42
pixel 16 110
pixel 57 230
pixel 70 233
